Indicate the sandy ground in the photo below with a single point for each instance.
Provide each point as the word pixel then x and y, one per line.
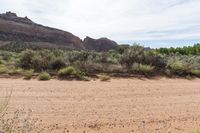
pixel 118 106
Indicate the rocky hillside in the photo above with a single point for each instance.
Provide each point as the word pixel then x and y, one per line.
pixel 18 29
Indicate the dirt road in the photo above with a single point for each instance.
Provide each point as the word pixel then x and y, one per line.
pixel 118 106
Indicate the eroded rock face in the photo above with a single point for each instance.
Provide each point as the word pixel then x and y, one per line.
pixel 13 17
pixel 102 44
pixel 14 28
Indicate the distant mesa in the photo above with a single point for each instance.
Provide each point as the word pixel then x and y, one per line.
pixel 102 44
pixel 23 29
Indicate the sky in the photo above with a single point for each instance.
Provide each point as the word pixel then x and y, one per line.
pixel 152 23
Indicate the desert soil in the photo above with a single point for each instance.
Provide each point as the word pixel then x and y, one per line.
pixel 118 106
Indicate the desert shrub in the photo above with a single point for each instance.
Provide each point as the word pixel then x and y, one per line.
pixel 143 68
pixel 86 66
pixel 182 64
pixel 122 48
pixel 5 55
pixel 90 67
pixel 73 56
pixel 177 65
pixel 193 62
pixel 152 58
pixel 42 60
pixel 134 54
pixel 15 71
pixel 3 69
pixel 103 57
pixel 104 77
pixel 28 74
pixel 67 71
pixel 2 61
pixel 39 60
pixel 70 72
pixel 168 72
pixel 26 59
pixel 44 76
pixel 120 60
pixel 195 72
pixel 57 64
pixel 90 62
pixel 106 58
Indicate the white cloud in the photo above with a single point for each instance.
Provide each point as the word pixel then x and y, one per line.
pixel 121 20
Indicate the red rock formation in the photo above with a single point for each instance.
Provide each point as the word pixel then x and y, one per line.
pixel 14 28
pixel 102 44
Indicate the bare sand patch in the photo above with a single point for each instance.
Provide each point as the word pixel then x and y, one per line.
pixel 120 105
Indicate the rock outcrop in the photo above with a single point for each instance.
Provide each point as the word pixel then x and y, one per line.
pixel 102 44
pixel 19 29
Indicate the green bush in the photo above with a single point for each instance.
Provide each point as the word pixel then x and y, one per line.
pixel 195 72
pixel 143 68
pixel 15 71
pixel 5 55
pixel 37 60
pixel 67 71
pixel 146 68
pixel 3 69
pixel 44 76
pixel 189 50
pixel 26 59
pixel 28 74
pixel 57 64
pixel 70 72
pixel 168 72
pixel 177 66
pixel 152 58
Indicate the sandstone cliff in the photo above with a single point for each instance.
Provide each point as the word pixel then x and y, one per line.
pixel 14 28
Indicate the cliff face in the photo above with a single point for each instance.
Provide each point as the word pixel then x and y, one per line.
pixel 14 28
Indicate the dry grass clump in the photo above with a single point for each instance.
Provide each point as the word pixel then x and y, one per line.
pixel 28 74
pixel 70 72
pixel 3 69
pixel 104 77
pixel 44 76
pixel 15 71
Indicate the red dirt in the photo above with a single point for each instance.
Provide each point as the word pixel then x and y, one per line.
pixel 120 105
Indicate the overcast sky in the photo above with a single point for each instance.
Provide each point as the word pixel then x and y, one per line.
pixel 155 23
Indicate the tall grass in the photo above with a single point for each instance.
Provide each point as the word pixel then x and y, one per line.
pixel 18 122
pixel 4 103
